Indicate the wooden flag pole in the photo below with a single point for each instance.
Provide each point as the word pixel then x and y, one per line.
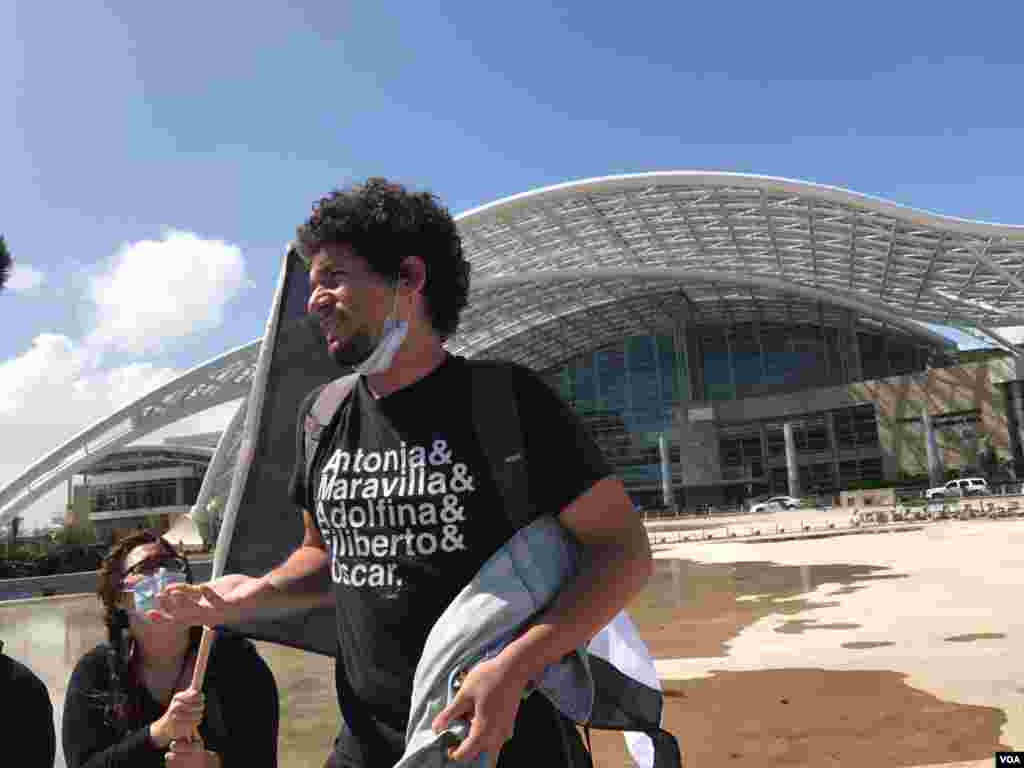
pixel 202 660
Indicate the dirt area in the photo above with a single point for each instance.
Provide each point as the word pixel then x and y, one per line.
pixel 813 717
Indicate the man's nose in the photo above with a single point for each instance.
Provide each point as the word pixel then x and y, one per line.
pixel 319 299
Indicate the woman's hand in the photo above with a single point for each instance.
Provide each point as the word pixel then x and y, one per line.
pixel 180 721
pixel 191 754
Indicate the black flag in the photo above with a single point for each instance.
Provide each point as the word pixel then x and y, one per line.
pixel 262 525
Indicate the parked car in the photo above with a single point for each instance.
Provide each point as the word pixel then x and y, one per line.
pixel 964 486
pixel 774 504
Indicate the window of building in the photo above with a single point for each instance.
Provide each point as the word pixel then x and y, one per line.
pixel 718 384
pixel 746 355
pixel 873 356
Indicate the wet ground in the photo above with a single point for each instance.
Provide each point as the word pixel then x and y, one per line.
pixel 853 651
pixel 861 650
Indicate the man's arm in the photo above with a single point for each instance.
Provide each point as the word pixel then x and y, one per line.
pixel 301 582
pixel 615 564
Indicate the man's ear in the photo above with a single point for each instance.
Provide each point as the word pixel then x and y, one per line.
pixel 412 274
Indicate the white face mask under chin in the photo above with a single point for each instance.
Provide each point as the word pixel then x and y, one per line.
pixel 380 359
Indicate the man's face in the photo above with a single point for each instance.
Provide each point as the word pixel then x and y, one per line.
pixel 350 301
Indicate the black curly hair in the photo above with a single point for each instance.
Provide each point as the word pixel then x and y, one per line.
pixel 384 223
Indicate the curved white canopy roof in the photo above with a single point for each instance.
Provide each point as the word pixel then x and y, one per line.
pixel 564 269
pixel 721 246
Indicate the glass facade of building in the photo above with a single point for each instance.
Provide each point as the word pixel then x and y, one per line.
pixel 757 359
pixel 145 494
pixel 834 449
pixel 626 393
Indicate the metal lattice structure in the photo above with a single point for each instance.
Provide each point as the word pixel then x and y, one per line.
pixel 566 269
pixel 569 267
pixel 221 380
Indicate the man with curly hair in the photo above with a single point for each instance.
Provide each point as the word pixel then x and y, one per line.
pixel 400 507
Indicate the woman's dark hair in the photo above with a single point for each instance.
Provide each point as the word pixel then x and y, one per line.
pixel 121 702
pixel 385 223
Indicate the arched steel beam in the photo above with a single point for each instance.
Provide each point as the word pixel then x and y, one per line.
pixel 222 464
pixel 690 275
pixel 218 381
pixel 810 232
pixel 711 179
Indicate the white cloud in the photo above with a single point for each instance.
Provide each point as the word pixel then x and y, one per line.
pixel 24 278
pixel 151 293
pixel 52 392
pixel 159 290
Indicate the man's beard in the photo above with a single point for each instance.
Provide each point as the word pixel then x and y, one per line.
pixel 353 350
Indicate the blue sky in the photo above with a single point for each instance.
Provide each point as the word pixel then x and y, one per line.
pixel 147 149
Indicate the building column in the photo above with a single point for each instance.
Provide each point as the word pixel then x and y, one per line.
pixel 696 363
pixel 823 339
pixel 935 474
pixel 179 492
pixel 792 468
pixel 830 426
pixel 856 369
pixel 667 496
pixel 763 434
pixel 681 341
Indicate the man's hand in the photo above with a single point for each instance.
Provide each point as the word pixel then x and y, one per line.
pixel 197 604
pixel 488 700
pixel 191 754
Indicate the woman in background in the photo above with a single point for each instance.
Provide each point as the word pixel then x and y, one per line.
pixel 129 701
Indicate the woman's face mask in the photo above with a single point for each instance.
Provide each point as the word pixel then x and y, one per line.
pixel 143 592
pixel 146 579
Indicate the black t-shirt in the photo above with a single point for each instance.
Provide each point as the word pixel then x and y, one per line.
pixel 404 499
pixel 26 715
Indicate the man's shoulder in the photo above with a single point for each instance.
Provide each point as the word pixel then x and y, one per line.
pixel 14 673
pixel 23 685
pixel 517 372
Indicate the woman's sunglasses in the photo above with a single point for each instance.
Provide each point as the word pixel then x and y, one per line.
pixel 150 565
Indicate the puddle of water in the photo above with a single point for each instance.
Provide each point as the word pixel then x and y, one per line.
pixel 865 645
pixel 691 609
pixel 800 625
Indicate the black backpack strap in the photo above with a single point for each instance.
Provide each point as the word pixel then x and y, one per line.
pixel 330 398
pixel 495 409
pixel 621 703
pixel 624 704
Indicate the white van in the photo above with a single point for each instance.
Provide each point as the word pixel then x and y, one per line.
pixel 964 486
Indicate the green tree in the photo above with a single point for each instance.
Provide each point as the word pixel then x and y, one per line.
pixel 208 520
pixel 6 262
pixel 79 534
